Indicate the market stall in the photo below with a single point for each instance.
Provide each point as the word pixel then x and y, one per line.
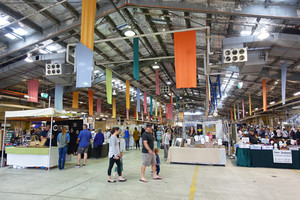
pixel 206 156
pixel 15 155
pixel 289 159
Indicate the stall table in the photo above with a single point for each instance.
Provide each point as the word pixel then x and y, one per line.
pixel 31 157
pixel 264 158
pixel 206 156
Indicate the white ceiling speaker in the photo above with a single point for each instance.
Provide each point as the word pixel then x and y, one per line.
pixel 53 69
pixel 235 55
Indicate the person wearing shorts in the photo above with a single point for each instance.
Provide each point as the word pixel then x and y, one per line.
pixel 84 139
pixel 148 155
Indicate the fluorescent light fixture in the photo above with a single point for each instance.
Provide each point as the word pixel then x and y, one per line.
pixel 114 92
pixel 29 58
pixel 296 107
pixel 169 82
pixel 256 108
pixel 101 115
pixel 106 116
pixel 272 102
pixel 53 47
pixel 83 113
pixel 3 21
pixel 10 36
pixel 244 33
pixel 190 113
pixel 240 85
pixel 263 35
pixel 155 66
pixel 42 51
pixel 246 112
pixel 129 33
pixel 64 117
pixel 26 96
pixel 104 119
pixel 296 94
pixel 20 31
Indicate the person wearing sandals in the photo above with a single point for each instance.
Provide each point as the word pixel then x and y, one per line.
pixel 114 155
pixel 148 155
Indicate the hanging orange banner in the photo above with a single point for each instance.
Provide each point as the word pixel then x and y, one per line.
pixel 185 59
pixel 127 95
pixel 88 13
pixel 171 96
pixel 264 87
pixel 75 99
pixel 159 109
pixel 91 96
pixel 114 108
pixel 250 109
pixel 181 116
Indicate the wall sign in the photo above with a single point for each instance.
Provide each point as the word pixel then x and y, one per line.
pixel 282 156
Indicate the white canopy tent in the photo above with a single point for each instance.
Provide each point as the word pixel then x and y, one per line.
pixel 48 112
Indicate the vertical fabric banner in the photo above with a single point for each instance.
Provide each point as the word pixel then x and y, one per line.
pixel 88 13
pixel 234 112
pixel 127 114
pixel 283 82
pixel 157 82
pixel 58 98
pixel 75 99
pixel 170 111
pixel 148 116
pixel 155 107
pixel 243 104
pixel 171 96
pixel 33 90
pixel 159 109
pixel 127 95
pixel 185 59
pixel 145 102
pixel 250 109
pixel 231 114
pixel 114 108
pixel 91 102
pixel 176 103
pixel 138 99
pixel 238 110
pixel 84 66
pixel 181 116
pixel 137 114
pixel 99 105
pixel 108 86
pixel 136 67
pixel 151 106
pixel 264 87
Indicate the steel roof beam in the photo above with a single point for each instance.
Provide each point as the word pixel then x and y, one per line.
pixel 7 10
pixel 45 13
pixel 246 9
pixel 70 8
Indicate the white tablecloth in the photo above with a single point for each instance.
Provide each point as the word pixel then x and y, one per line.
pixel 211 156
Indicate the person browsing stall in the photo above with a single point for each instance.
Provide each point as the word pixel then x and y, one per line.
pixel 46 134
pixel 63 139
pixel 149 157
pixel 84 139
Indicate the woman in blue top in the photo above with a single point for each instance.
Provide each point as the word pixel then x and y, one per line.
pixel 63 139
pixel 127 138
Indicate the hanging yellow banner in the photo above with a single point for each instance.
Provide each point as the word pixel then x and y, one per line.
pixel 75 99
pixel 127 95
pixel 114 108
pixel 88 13
pixel 160 109
pixel 250 109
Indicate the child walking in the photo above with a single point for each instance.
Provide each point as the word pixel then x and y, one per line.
pixel 156 151
pixel 121 166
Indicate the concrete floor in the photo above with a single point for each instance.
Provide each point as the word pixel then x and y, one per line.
pixel 212 182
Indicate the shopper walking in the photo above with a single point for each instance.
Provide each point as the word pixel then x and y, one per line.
pixel 166 143
pixel 127 136
pixel 156 151
pixel 84 139
pixel 98 143
pixel 114 155
pixel 63 139
pixel 136 137
pixel 158 137
pixel 148 155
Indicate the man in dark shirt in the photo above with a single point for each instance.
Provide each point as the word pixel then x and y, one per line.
pixel 252 137
pixel 46 134
pixel 98 143
pixel 262 132
pixel 149 157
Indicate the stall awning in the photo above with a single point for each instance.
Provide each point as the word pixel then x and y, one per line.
pixel 32 113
